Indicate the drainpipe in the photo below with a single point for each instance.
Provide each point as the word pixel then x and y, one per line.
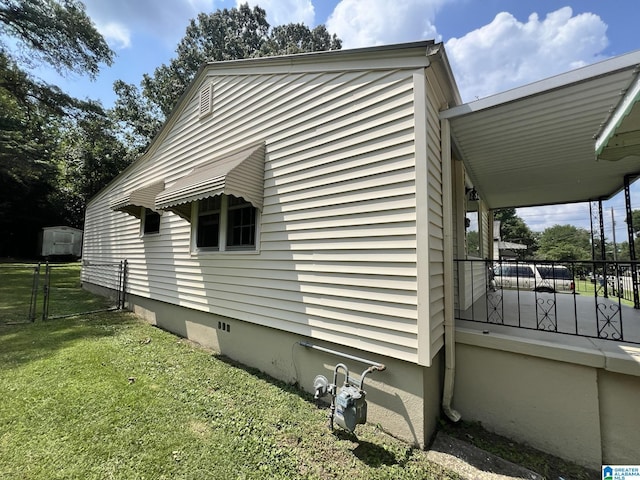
pixel 449 326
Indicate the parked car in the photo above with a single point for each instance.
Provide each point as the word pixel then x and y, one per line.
pixel 537 277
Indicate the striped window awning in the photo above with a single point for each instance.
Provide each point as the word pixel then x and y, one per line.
pixel 240 174
pixel 134 201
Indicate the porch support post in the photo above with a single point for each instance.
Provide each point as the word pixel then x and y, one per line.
pixel 595 226
pixel 603 255
pixel 632 247
pixel 597 234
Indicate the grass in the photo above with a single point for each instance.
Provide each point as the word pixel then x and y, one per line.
pixel 108 396
pixel 548 466
pixel 585 287
pixel 66 296
pixel 15 291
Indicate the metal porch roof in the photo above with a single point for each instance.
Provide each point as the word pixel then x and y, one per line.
pixel 535 145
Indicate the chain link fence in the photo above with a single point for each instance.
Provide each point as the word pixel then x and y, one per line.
pixel 44 291
pixel 18 290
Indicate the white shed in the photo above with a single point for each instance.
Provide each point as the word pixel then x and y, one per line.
pixel 60 242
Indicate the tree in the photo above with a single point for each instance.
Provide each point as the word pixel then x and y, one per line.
pixel 223 35
pixel 32 112
pixel 227 34
pixel 297 38
pixel 514 229
pixel 473 243
pixel 137 116
pixel 635 223
pixel 89 155
pixel 28 131
pixel 55 32
pixel 564 242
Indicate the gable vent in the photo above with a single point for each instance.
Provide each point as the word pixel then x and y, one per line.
pixel 206 100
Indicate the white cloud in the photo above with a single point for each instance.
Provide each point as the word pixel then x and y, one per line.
pixel 281 12
pixel 540 218
pixel 117 35
pixel 507 53
pixel 165 21
pixel 379 22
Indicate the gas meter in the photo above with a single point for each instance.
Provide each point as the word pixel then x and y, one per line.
pixel 351 407
pixel 348 404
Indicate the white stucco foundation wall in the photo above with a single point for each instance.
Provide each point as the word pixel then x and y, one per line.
pixel 619 397
pixel 576 400
pixel 404 399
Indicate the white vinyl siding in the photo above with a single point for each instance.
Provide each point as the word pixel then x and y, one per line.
pixel 435 101
pixel 337 254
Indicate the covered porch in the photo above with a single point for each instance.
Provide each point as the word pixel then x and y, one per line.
pixel 559 371
pixel 566 139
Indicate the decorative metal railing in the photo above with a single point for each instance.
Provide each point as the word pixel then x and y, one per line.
pixel 595 299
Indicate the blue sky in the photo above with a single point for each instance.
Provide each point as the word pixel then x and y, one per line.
pixel 493 45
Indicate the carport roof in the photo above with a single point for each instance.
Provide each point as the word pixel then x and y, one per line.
pixel 536 145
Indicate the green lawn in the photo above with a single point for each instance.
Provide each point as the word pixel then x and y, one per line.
pixel 586 288
pixel 66 296
pixel 108 396
pixel 15 292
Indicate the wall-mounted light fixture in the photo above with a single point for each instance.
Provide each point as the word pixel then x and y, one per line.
pixel 472 194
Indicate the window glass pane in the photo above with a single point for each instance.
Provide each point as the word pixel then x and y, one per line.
pixel 151 221
pixel 211 204
pixel 241 224
pixel 208 230
pixel 472 230
pixel 208 233
pixel 521 271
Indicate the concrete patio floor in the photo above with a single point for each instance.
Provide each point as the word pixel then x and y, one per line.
pixel 589 316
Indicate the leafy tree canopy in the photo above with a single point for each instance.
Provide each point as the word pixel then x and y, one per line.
pixel 564 242
pixel 227 34
pixel 514 229
pixel 33 113
pixel 297 38
pixel 56 32
pixel 88 155
pixel 635 222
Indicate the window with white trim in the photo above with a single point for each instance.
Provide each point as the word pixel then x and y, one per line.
pixel 225 223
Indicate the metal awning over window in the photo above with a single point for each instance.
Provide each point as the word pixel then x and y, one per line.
pixel 240 174
pixel 132 202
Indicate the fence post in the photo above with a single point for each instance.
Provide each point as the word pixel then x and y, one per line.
pixel 45 300
pixel 125 266
pixel 33 305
